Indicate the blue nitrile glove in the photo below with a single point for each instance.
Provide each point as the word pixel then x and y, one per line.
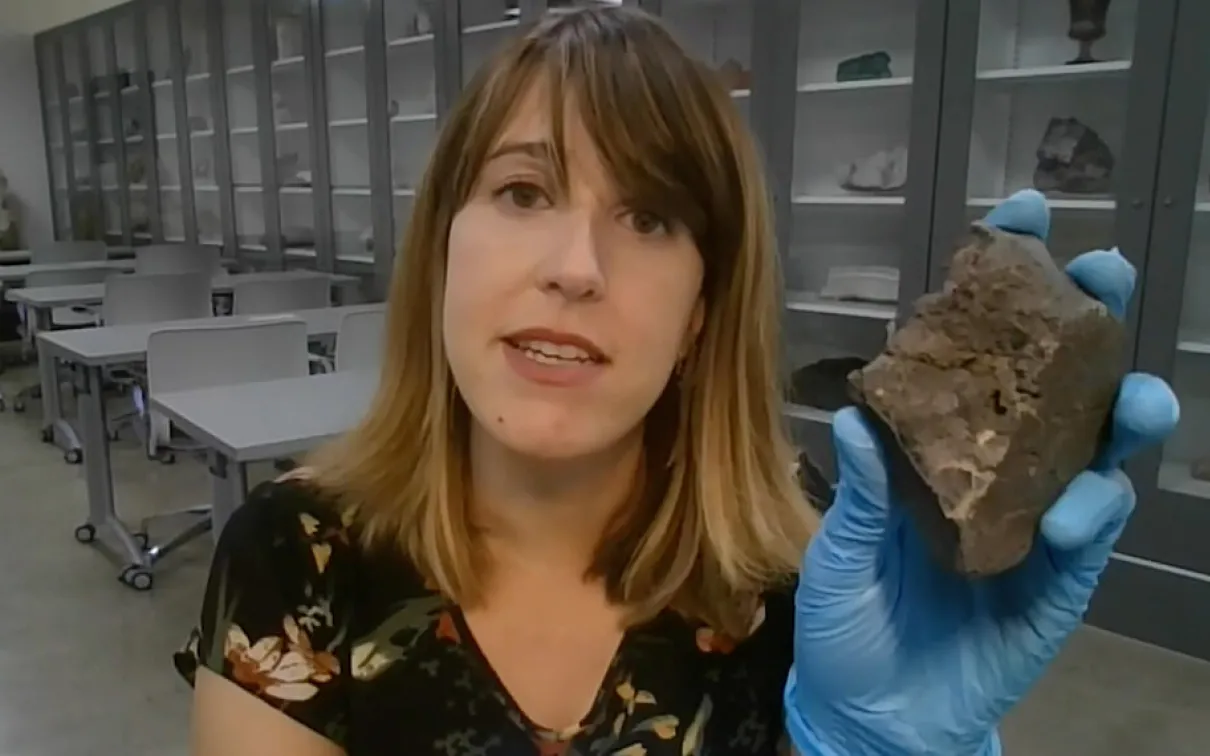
pixel 895 656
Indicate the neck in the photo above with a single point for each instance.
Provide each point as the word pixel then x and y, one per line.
pixel 549 514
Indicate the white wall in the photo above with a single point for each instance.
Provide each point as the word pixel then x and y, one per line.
pixel 22 147
pixel 31 16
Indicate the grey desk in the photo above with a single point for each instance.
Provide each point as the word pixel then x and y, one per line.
pixel 18 273
pixel 50 297
pixel 41 301
pixel 254 422
pixel 92 350
pixel 23 256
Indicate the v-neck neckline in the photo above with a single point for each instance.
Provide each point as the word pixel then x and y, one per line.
pixel 609 682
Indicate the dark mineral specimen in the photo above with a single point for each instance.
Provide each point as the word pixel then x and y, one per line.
pixel 991 398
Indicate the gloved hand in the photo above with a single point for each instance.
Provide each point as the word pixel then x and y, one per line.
pixel 894 656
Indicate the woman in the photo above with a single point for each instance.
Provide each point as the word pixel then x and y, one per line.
pixel 568 523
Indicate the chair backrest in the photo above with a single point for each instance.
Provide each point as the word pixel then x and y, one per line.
pixel 201 356
pixel 80 277
pixel 156 297
pixel 287 294
pixel 177 258
pixel 359 341
pixel 68 252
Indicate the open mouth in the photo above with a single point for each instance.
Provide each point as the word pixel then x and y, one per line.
pixel 550 353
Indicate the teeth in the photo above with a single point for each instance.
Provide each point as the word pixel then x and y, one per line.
pixel 553 354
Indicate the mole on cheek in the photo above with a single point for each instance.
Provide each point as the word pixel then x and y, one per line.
pixel 500 419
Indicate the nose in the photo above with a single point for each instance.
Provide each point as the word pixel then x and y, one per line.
pixel 573 267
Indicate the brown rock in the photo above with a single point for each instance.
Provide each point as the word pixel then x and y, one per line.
pixel 992 397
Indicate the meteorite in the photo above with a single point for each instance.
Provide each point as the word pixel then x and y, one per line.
pixel 991 398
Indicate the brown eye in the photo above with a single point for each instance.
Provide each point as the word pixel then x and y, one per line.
pixel 647 223
pixel 523 195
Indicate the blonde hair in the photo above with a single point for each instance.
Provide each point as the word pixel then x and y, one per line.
pixel 719 517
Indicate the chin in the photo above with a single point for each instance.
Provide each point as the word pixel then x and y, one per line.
pixel 555 435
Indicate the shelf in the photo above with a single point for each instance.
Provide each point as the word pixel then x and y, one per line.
pixel 1175 476
pixel 1097 204
pixel 415 118
pixel 350 191
pixel 409 41
pixel 491 27
pixel 885 200
pixel 356 259
pixel 1193 343
pixel 809 414
pixel 1056 74
pixel 815 304
pixel 344 52
pixel 854 86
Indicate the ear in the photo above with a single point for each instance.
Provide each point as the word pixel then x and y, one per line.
pixel 697 319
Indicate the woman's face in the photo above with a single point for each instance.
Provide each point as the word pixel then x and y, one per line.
pixel 565 311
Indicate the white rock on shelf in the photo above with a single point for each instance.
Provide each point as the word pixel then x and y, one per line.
pixel 867 283
pixel 884 171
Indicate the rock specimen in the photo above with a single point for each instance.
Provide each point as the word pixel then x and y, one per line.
pixel 884 171
pixel 875 65
pixel 1072 158
pixel 991 398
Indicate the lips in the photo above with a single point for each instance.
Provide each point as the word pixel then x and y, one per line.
pixel 556 347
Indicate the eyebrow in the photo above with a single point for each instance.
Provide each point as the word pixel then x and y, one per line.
pixel 537 150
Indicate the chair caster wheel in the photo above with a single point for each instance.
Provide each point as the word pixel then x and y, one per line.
pixel 142 539
pixel 167 458
pixel 73 456
pixel 86 533
pixel 48 435
pixel 18 406
pixel 136 577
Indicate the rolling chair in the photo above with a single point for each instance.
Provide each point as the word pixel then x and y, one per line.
pixel 359 341
pixel 150 298
pixel 177 258
pixel 61 317
pixel 303 292
pixel 205 356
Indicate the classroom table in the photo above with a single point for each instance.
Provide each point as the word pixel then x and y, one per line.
pixel 18 273
pixel 41 301
pixel 269 420
pixel 91 351
pixel 23 256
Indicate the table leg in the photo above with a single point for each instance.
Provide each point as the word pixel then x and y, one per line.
pixel 55 428
pixel 98 475
pixel 230 482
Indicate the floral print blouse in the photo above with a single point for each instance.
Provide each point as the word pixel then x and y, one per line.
pixel 354 647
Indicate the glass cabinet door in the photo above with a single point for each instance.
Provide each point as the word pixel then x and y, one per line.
pixel 87 220
pixel 1049 109
pixel 291 96
pixel 106 148
pixel 49 69
pixel 201 174
pixel 240 25
pixel 170 173
pixel 720 34
pixel 136 122
pixel 852 109
pixel 412 103
pixel 344 69
pixel 486 25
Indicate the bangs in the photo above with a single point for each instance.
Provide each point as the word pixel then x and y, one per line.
pixel 661 122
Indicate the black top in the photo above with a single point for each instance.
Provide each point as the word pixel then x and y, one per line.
pixel 353 646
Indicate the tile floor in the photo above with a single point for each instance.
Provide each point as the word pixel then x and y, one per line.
pixel 85 663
